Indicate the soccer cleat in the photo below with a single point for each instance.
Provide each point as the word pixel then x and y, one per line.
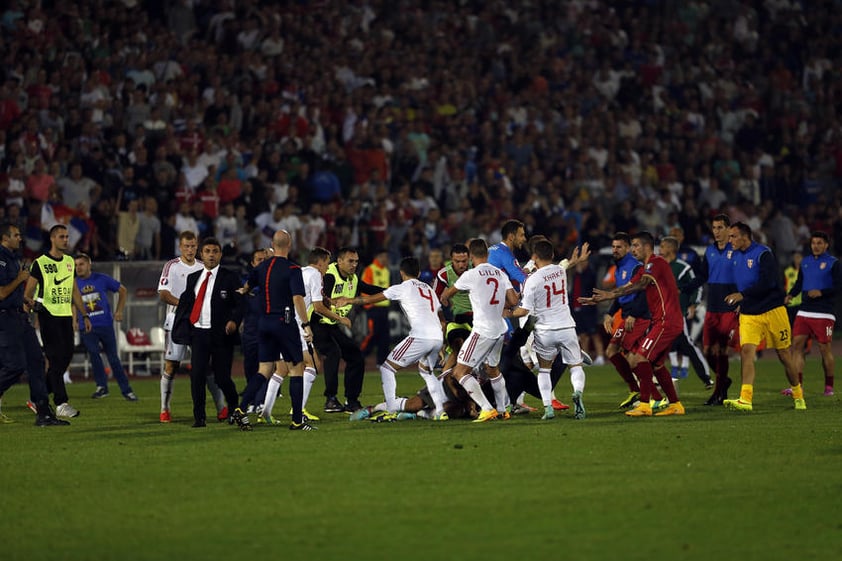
pixel 332 405
pixel 32 407
pixel 800 404
pixel 100 393
pixel 787 391
pixel 682 373
pixel 828 391
pixel 486 416
pixel 630 400
pixel 199 423
pixel 66 410
pixel 549 413
pixel 504 415
pixel 4 420
pixel 559 406
pixel 303 425
pixel 268 419
pixel 674 372
pixel 307 415
pixel 49 421
pixel 241 420
pixel 382 417
pixel 443 416
pixel 521 409
pixel 737 404
pixel 222 415
pixel 586 359
pixel 578 406
pixel 360 414
pixel 352 406
pixel 165 417
pixel 406 416
pixel 130 396
pixel 659 404
pixel 640 410
pixel 671 409
pixel 709 383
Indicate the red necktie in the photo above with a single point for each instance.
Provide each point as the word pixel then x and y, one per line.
pixel 200 299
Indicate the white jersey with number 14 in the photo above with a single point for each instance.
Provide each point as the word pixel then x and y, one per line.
pixel 545 296
pixel 420 305
pixel 487 285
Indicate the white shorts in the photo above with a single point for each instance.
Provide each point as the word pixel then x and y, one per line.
pixel 412 350
pixel 549 343
pixel 478 349
pixel 174 351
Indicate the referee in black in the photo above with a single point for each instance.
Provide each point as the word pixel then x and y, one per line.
pixel 19 346
pixel 281 295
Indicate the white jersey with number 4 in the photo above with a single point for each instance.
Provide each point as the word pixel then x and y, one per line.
pixel 420 305
pixel 174 279
pixel 487 285
pixel 545 296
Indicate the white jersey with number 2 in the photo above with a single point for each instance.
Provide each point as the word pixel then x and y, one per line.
pixel 545 296
pixel 487 285
pixel 420 305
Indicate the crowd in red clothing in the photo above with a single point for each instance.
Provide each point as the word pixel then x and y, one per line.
pixel 413 125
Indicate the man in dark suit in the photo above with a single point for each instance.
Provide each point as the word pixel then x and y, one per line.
pixel 207 317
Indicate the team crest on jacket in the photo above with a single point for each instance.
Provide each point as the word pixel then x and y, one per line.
pixel 729 254
pixel 823 265
pixel 648 266
pixel 750 263
pixel 624 275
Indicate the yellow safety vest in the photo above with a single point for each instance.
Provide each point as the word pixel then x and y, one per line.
pixel 55 291
pixel 790 276
pixel 341 287
pixel 379 277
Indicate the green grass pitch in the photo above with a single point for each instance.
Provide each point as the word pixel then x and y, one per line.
pixel 118 485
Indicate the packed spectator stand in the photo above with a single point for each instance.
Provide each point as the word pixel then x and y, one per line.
pixel 411 125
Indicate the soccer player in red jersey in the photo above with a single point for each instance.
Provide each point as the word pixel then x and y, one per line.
pixel 647 358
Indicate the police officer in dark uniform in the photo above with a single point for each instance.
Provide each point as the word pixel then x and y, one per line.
pixel 251 320
pixel 18 343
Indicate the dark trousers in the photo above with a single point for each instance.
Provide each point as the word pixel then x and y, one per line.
pixel 105 335
pixel 19 353
pixel 378 335
pixel 57 337
pixel 251 362
pixel 333 344
pixel 206 354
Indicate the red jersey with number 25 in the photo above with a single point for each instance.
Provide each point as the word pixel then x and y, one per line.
pixel 662 294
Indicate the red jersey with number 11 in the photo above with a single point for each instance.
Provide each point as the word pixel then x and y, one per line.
pixel 662 294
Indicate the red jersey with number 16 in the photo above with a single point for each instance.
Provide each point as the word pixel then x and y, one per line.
pixel 662 294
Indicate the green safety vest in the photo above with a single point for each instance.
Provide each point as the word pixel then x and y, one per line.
pixel 790 276
pixel 55 291
pixel 460 303
pixel 341 287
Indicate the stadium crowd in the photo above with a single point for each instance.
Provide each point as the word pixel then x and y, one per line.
pixel 413 125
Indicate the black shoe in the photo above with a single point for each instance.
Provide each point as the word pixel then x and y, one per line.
pixel 352 406
pixel 304 425
pixel 715 399
pixel 199 423
pixel 49 421
pixel 720 394
pixel 332 405
pixel 241 419
pixel 100 393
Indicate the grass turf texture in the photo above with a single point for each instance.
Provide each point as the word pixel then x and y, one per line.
pixel 117 484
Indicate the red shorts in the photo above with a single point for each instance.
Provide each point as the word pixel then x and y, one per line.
pixel 821 329
pixel 655 346
pixel 722 329
pixel 627 340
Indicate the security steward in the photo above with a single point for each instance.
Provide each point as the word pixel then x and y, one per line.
pixel 19 346
pixel 331 340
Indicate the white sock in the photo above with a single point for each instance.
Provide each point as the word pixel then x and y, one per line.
pixel 673 358
pixel 435 389
pixel 577 378
pixel 522 397
pixel 166 391
pixel 271 394
pixel 67 378
pixel 475 392
pixel 545 386
pixel 501 396
pixel 424 414
pixel 685 362
pixel 216 393
pixel 380 407
pixel 309 378
pixel 390 384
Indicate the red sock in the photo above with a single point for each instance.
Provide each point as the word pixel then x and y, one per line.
pixel 624 370
pixel 644 375
pixel 664 378
pixel 828 381
pixel 722 367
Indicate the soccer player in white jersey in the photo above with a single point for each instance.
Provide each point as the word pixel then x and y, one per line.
pixel 172 283
pixel 490 291
pixel 313 274
pixel 422 345
pixel 546 298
